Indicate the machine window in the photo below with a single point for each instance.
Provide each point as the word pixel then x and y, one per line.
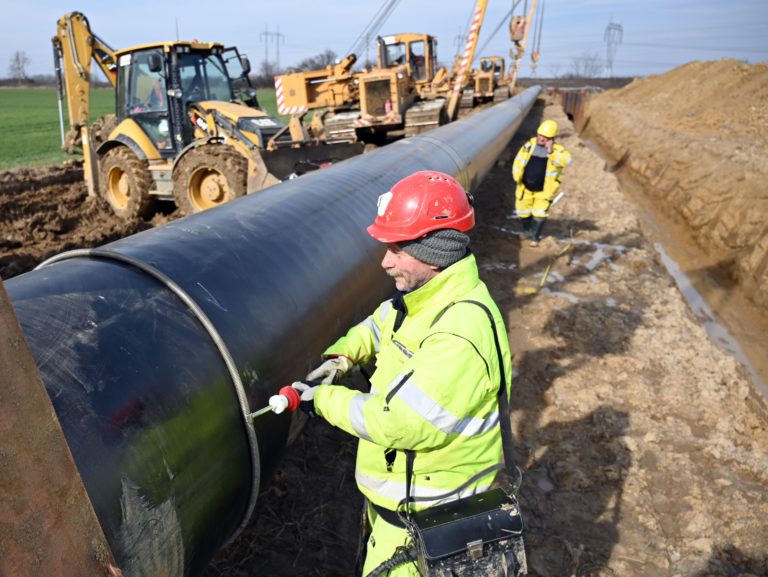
pixel 204 77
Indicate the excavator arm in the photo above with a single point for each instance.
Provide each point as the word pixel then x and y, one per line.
pixel 74 47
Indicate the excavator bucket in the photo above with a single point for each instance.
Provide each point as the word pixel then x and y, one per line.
pixel 286 163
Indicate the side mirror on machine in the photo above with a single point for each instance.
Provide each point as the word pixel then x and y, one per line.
pixel 155 63
pixel 246 64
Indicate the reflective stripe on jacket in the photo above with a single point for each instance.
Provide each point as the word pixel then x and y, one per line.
pixel 434 391
pixel 557 160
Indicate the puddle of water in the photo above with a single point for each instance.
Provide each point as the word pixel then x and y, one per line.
pixel 497 266
pixel 718 333
pixel 573 299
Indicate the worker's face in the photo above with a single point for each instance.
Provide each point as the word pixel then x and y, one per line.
pixel 409 273
pixel 545 142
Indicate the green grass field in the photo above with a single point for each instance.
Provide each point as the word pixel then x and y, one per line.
pixel 29 123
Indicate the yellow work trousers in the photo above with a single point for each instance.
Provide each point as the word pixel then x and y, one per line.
pixel 531 204
pixel 382 545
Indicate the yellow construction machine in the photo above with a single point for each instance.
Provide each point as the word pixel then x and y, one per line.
pixel 405 94
pixel 365 106
pixel 487 83
pixel 187 126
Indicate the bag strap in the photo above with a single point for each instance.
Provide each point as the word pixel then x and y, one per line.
pixel 514 473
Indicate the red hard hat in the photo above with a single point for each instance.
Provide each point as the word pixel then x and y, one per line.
pixel 420 203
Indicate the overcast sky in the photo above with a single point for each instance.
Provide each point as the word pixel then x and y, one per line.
pixel 656 35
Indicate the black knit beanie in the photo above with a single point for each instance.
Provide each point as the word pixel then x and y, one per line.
pixel 440 248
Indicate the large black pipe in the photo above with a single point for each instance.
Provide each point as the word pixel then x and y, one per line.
pixel 154 347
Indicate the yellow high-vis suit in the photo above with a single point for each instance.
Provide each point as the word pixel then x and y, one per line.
pixel 434 391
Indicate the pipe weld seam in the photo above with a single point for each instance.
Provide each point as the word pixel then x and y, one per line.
pixel 217 341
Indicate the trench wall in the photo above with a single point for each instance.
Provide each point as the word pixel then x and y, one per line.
pixel 695 140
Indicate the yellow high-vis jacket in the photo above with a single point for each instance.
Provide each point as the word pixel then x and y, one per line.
pixel 434 391
pixel 557 160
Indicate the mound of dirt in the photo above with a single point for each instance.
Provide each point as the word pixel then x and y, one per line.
pixel 45 211
pixel 695 139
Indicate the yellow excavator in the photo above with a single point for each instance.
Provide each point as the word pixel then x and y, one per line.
pixel 187 125
pixel 406 93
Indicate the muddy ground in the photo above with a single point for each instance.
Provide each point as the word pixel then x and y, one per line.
pixel 645 446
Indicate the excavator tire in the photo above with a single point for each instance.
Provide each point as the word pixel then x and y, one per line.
pixel 209 176
pixel 125 182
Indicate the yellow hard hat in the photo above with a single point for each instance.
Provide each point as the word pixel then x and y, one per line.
pixel 548 128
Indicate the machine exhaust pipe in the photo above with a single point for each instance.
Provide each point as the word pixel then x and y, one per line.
pixel 153 348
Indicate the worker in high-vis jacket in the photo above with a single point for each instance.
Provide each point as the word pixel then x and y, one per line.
pixel 537 170
pixel 434 389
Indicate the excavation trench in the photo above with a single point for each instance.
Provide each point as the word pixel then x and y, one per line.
pixel 733 322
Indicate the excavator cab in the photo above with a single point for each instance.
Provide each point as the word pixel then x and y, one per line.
pixel 416 51
pixel 238 68
pixel 489 81
pixel 156 85
pixel 142 95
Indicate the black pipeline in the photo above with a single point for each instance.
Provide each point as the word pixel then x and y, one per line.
pixel 154 348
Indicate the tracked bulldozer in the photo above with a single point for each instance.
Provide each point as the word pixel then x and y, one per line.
pixel 366 106
pixel 406 93
pixel 487 84
pixel 187 126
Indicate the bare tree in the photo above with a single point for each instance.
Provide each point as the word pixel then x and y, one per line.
pixel 555 69
pixel 588 65
pixel 267 69
pixel 318 61
pixel 18 67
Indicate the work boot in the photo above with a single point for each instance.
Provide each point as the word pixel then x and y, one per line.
pixel 538 226
pixel 527 225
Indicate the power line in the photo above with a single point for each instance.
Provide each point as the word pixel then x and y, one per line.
pixel 277 37
pixel 613 36
pixel 372 28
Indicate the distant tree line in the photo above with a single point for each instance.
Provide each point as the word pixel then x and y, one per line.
pixel 18 75
pixel 268 70
pixel 587 65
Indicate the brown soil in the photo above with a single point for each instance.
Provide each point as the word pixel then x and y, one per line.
pixel 644 444
pixel 695 140
pixel 45 211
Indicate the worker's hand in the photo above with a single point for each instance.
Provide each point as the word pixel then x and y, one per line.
pixel 331 370
pixel 278 403
pixel 307 392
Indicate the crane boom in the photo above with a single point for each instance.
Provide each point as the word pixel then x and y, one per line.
pixel 521 46
pixel 469 54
